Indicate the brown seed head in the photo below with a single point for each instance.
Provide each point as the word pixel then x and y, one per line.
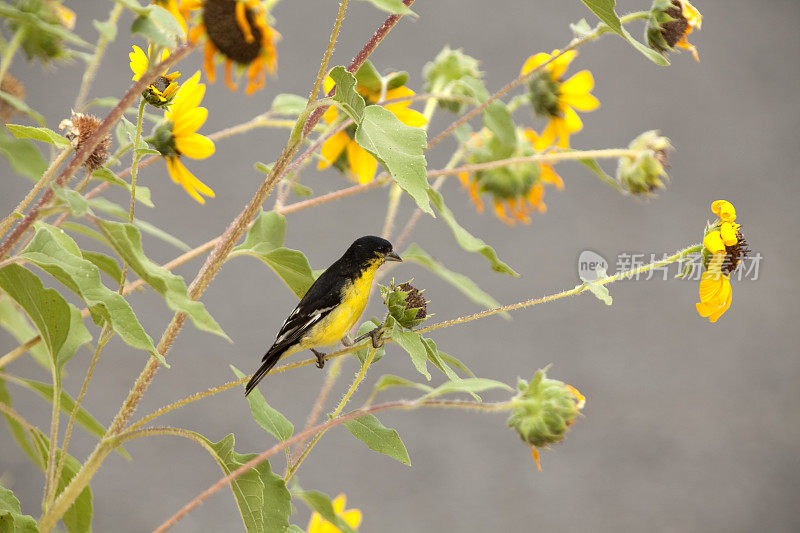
pixel 79 128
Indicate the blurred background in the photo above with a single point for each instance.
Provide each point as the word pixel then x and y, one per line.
pixel 689 426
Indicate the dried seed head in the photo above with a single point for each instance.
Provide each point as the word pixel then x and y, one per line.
pixel 79 128
pixel 12 86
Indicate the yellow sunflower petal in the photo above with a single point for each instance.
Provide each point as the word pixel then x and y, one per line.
pixel 195 146
pixel 407 116
pixel 693 16
pixel 548 175
pixel 328 84
pixel 551 134
pixel 399 92
pixel 139 62
pixel 188 180
pixel 561 63
pixel 361 162
pixel 728 233
pixel 339 503
pixel 332 149
pixel 188 97
pixel 352 517
pixel 330 114
pixel 572 120
pixel 575 92
pixel 534 61
pixel 713 242
pixel 190 122
pixel 724 210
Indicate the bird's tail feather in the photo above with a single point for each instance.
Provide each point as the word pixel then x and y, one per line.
pixel 270 359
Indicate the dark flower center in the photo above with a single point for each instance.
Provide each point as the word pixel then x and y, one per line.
pixel 219 17
pixel 734 254
pixel 674 30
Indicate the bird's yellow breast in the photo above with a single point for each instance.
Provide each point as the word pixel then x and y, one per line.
pixel 339 321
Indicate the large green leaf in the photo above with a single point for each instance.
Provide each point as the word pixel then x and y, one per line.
pixel 497 118
pixel 466 240
pixel 321 503
pixel 399 148
pixel 262 497
pixel 604 9
pixel 378 437
pixel 23 156
pixel 396 7
pixel 288 104
pixel 142 193
pixel 127 242
pixel 465 285
pixel 412 343
pixel 54 252
pixel 388 381
pixel 271 420
pixel 22 107
pixel 18 432
pixel 348 99
pixel 105 263
pixel 11 518
pixel 14 320
pixel 265 242
pixel 38 134
pixel 158 26
pixel 58 322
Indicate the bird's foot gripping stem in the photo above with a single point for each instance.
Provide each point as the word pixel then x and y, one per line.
pixel 320 358
pixel 376 336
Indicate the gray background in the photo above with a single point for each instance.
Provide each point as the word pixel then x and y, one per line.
pixel 688 426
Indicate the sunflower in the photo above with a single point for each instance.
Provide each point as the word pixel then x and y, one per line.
pixel 177 136
pixel 557 100
pixel 180 9
pixel 724 248
pixel 161 92
pixel 371 86
pixel 516 190
pixel 352 517
pixel 239 31
pixel 669 24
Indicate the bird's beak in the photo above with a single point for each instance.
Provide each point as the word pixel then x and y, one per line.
pixel 391 256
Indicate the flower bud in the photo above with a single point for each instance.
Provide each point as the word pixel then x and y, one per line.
pixel 642 173
pixel 543 91
pixel 669 23
pixel 543 410
pixel 45 45
pixel 79 128
pixel 406 304
pixel 454 73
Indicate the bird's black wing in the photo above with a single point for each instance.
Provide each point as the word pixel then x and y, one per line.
pixel 322 298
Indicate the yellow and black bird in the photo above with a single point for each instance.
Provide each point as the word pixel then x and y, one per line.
pixel 332 305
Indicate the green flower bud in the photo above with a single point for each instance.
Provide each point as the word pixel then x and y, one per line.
pixel 642 173
pixel 45 45
pixel 163 140
pixel 543 91
pixel 454 73
pixel 543 410
pixel 405 304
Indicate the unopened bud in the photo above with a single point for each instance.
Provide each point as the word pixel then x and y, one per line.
pixel 645 171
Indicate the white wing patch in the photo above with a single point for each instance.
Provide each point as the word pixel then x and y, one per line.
pixel 296 330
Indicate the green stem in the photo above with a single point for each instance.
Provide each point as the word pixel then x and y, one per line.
pixel 11 49
pixel 50 479
pixel 395 194
pixel 316 410
pixel 336 412
pixel 91 69
pixel 134 173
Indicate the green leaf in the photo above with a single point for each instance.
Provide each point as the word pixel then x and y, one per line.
pixel 396 7
pixel 412 343
pixel 142 193
pixel 465 285
pixel 271 420
pixel 23 156
pixel 349 100
pixel 399 149
pixel 295 529
pixel 77 204
pixel 11 518
pixel 58 255
pixel 67 404
pixel 598 289
pixel 363 352
pixel 604 9
pixel 157 26
pixel 467 385
pixel 107 29
pixel 14 320
pixel 105 263
pixel 47 309
pixel 378 437
pixel 83 230
pixel 388 381
pixel 466 240
pixel 438 362
pixel 133 5
pixel 288 104
pixel 18 432
pixel 497 118
pixel 449 359
pixel 107 206
pixel 265 242
pixel 126 240
pixel 22 107
pixel 322 504
pixel 263 500
pixel 38 134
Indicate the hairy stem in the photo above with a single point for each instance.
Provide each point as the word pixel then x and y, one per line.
pixel 91 69
pixel 134 171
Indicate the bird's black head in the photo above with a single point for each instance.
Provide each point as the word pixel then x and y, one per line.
pixel 367 249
